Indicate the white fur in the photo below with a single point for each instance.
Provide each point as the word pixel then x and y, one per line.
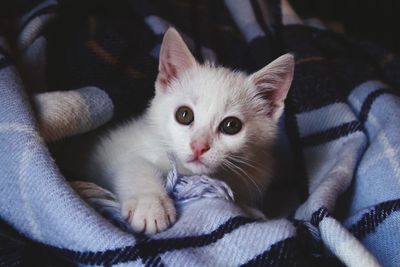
pixel 132 160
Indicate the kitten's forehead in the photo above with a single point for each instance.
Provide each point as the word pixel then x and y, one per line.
pixel 217 88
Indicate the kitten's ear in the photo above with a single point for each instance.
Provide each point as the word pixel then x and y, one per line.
pixel 273 82
pixel 175 58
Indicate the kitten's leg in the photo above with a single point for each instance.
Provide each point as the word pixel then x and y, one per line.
pixel 144 201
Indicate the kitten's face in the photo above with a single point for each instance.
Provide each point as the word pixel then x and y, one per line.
pixel 211 117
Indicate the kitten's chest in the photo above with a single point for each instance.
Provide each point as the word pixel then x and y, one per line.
pixel 160 160
pixel 165 161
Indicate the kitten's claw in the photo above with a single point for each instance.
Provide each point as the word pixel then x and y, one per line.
pixel 149 213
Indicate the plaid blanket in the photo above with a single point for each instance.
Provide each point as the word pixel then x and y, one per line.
pixel 69 67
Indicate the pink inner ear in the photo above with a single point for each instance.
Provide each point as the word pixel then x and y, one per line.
pixel 163 82
pixel 272 88
pixel 273 82
pixel 167 73
pixel 273 100
pixel 175 58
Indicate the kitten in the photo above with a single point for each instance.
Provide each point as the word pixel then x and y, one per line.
pixel 213 120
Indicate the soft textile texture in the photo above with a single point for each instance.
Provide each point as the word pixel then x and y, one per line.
pixel 341 118
pixel 182 189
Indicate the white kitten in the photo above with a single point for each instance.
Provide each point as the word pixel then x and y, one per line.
pixel 214 121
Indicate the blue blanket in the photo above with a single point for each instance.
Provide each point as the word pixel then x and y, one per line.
pixel 73 66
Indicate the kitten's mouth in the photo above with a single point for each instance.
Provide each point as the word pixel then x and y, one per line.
pixel 197 166
pixel 197 161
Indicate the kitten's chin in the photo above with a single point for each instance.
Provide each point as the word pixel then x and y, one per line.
pixel 196 167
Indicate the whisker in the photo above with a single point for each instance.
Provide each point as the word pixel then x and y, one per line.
pixel 243 158
pixel 251 179
pixel 229 166
pixel 247 162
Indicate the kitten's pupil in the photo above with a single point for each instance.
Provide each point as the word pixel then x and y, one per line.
pixel 230 125
pixel 184 115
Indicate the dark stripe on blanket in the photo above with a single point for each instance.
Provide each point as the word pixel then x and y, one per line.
pixel 9 253
pixel 154 261
pixel 46 10
pixel 262 48
pixel 319 215
pixel 4 52
pixel 152 247
pixel 331 134
pixel 331 79
pixel 16 250
pixel 259 16
pixel 142 8
pixel 346 128
pixel 301 179
pixel 4 62
pixel 366 107
pixel 371 219
pixel 280 254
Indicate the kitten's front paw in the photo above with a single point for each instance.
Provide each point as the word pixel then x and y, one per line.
pixel 149 213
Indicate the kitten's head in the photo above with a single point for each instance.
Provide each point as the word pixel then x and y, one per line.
pixel 210 115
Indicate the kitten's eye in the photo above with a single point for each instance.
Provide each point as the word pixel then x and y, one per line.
pixel 184 115
pixel 230 125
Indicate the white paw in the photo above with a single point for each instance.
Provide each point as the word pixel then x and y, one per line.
pixel 149 213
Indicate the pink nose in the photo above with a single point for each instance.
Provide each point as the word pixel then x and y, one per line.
pixel 199 148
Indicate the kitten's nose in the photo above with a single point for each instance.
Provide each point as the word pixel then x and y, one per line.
pixel 199 148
